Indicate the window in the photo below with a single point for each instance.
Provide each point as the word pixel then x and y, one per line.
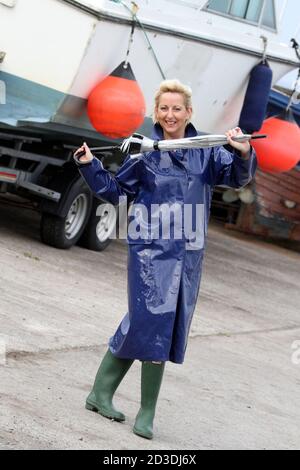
pixel 268 18
pixel 246 10
pixel 223 6
pixel 254 10
pixel 187 3
pixel 260 12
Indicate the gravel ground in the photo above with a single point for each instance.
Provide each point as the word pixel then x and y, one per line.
pixel 239 385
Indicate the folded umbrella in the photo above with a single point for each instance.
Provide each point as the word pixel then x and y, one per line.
pixel 138 144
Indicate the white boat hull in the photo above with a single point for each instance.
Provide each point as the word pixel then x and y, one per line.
pixel 61 51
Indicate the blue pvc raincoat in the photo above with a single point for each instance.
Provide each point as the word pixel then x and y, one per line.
pixel 164 272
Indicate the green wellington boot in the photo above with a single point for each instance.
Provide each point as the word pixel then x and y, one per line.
pixel 109 376
pixel 152 375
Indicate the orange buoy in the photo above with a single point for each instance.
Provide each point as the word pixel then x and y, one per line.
pixel 280 152
pixel 116 106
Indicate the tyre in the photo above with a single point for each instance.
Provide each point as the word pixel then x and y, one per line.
pixel 65 229
pixel 101 227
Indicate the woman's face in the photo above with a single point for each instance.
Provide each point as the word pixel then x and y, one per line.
pixel 172 114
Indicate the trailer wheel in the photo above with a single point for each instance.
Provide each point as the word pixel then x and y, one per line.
pixel 65 229
pixel 101 227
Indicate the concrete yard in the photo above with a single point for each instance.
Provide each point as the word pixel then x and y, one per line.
pixel 238 388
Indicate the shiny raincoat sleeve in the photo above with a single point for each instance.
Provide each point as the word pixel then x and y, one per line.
pixel 124 183
pixel 230 169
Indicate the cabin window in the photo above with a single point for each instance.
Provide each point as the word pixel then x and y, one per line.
pixel 268 18
pixel 187 3
pixel 260 12
pixel 222 6
pixel 246 10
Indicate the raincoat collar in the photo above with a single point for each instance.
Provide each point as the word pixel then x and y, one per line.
pixel 158 134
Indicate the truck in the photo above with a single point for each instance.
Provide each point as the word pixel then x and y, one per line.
pixel 52 55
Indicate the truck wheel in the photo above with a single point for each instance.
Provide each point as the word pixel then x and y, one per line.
pixel 101 227
pixel 63 231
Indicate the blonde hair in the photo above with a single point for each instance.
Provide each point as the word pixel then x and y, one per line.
pixel 173 86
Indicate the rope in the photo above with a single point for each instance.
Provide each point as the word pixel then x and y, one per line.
pixel 295 46
pixel 295 93
pixel 265 41
pixel 136 20
pixel 130 44
pixel 152 50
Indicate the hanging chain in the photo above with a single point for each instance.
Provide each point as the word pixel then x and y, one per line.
pixel 134 11
pixel 294 95
pixel 136 21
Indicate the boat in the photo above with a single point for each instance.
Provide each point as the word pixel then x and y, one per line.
pixel 53 53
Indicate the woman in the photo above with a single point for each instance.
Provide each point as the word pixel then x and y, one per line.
pixel 163 272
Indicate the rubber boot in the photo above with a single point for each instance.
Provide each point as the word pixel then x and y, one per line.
pixel 152 375
pixel 109 376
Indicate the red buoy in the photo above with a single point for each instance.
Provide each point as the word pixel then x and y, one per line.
pixel 116 106
pixel 280 152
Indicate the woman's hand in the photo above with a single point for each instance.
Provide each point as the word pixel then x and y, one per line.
pixel 243 147
pixel 87 157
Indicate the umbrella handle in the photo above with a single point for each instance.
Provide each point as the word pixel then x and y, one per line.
pixel 259 136
pixel 249 137
pixel 99 150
